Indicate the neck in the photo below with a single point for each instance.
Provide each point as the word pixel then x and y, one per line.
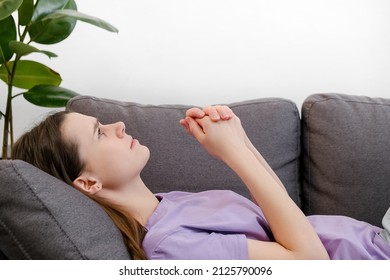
pixel 136 199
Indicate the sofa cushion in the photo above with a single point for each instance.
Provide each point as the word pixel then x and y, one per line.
pixel 44 218
pixel 178 162
pixel 346 156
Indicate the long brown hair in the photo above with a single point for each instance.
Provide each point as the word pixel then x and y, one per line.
pixel 45 147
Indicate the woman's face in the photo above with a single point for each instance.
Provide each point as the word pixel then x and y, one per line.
pixel 110 155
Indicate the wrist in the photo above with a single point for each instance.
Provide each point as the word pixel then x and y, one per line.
pixel 238 157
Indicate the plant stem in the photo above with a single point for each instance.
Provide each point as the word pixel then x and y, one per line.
pixel 8 120
pixel 11 126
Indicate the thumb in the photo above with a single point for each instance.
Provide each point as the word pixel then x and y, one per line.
pixel 194 128
pixel 184 123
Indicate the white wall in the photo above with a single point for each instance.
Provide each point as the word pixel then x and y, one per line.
pixel 219 51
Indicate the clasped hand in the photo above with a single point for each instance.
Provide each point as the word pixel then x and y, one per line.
pixel 217 129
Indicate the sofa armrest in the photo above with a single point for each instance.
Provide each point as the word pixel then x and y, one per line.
pixel 43 218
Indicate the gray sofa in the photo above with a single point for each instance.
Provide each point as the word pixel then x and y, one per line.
pixel 333 156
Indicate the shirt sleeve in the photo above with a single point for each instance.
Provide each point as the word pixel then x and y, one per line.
pixel 186 244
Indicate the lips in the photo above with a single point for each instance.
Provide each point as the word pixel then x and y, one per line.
pixel 133 143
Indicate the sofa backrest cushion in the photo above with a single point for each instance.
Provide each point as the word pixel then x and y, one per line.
pixel 178 162
pixel 43 218
pixel 346 156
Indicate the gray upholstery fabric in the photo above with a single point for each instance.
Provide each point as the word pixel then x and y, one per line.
pixel 346 156
pixel 178 162
pixel 345 170
pixel 44 218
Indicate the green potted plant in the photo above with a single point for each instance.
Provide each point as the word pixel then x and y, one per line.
pixel 22 23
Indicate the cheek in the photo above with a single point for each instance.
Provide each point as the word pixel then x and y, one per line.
pixel 112 158
pixel 116 167
pixel 101 159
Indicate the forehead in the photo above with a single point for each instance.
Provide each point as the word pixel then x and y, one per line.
pixel 78 124
pixel 73 118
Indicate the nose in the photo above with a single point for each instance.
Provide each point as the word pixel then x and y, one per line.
pixel 119 128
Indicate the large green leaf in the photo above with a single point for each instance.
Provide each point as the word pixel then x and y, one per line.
pixel 62 14
pixel 46 7
pixel 49 96
pixel 7 7
pixel 30 73
pixel 7 34
pixel 52 31
pixel 25 12
pixel 23 49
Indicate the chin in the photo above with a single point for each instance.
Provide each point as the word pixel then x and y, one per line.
pixel 147 154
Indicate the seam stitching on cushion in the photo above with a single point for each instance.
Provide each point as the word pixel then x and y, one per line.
pixel 298 151
pixel 13 237
pixel 264 101
pixel 50 214
pixel 308 120
pixel 350 101
pixel 184 106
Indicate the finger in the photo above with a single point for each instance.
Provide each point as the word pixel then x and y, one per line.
pixel 184 123
pixel 194 128
pixel 212 112
pixel 225 112
pixel 195 113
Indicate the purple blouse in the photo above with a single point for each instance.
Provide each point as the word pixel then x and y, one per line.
pixel 216 224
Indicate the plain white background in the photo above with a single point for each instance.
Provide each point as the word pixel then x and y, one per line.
pixel 220 51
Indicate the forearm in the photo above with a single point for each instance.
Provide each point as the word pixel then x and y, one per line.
pixel 288 224
pixel 263 162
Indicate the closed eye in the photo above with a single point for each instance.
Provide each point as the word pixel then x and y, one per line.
pixel 99 132
pixel 97 129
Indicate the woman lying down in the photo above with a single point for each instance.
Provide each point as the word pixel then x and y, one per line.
pixel 105 163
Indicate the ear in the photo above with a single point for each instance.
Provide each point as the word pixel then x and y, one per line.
pixel 88 184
